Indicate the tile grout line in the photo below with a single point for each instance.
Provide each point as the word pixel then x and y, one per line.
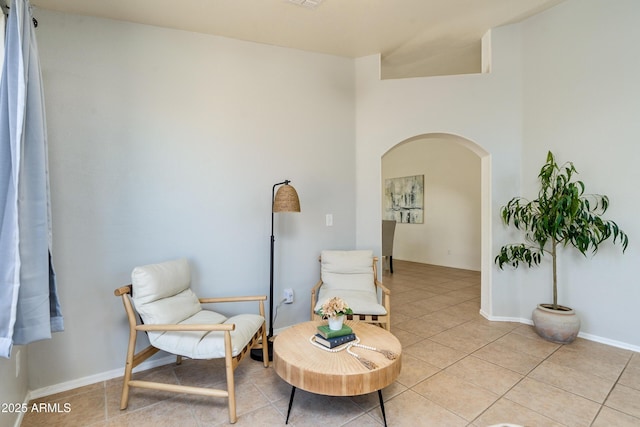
pixel 503 395
pixel 604 401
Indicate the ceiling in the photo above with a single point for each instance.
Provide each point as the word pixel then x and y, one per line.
pixel 414 37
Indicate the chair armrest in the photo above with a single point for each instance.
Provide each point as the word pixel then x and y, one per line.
pixel 316 287
pixel 183 328
pixel 233 299
pixel 386 296
pixel 123 290
pixel 383 287
pixel 314 297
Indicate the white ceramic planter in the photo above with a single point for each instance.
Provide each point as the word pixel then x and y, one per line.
pixel 335 323
pixel 560 326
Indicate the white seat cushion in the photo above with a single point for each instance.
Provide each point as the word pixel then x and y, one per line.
pixel 349 275
pixel 208 345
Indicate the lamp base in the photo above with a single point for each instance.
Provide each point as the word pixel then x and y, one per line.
pixel 256 352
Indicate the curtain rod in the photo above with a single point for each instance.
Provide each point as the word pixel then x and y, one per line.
pixel 5 10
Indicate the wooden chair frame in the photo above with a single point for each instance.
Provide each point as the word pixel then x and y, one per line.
pixel 383 321
pixel 134 359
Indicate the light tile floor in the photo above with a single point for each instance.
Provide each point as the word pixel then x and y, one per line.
pixel 458 369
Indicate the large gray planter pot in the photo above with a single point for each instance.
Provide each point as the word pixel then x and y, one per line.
pixel 560 326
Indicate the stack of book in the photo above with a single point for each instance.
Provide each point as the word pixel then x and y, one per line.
pixel 330 338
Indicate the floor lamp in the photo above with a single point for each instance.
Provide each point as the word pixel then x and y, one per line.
pixel 285 200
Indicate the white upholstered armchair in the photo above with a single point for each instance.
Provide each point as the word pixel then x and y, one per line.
pixel 172 316
pixel 352 276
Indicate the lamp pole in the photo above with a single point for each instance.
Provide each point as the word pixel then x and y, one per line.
pixel 285 200
pixel 273 239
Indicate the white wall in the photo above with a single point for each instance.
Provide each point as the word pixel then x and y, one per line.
pixel 450 234
pixel 565 80
pixel 166 143
pixel 582 101
pixel 483 108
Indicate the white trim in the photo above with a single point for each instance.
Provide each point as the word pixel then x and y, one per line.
pixel 590 337
pixel 607 341
pixel 505 319
pixel 92 379
pixel 21 413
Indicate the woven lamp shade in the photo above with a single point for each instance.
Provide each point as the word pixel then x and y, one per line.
pixel 286 200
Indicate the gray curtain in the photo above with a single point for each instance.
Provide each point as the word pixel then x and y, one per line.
pixel 29 306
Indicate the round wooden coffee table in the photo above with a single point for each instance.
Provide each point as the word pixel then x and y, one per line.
pixel 313 369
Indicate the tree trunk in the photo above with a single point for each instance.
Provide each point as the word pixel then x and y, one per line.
pixel 554 245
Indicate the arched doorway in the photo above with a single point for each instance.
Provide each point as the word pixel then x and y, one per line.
pixel 456 228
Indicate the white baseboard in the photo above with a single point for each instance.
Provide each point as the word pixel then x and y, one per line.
pixel 92 379
pixel 590 337
pixel 506 319
pixel 20 415
pixel 607 341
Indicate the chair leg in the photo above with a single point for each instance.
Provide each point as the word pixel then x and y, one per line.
pixel 265 348
pixel 133 360
pixel 128 369
pixel 124 399
pixel 391 264
pixel 231 388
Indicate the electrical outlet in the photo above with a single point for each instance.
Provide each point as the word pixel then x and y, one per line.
pixel 288 296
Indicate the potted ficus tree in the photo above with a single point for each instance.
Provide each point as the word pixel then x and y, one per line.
pixel 561 215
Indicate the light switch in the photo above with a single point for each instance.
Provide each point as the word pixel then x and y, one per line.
pixel 329 220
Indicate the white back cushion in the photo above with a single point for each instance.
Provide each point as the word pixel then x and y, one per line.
pixel 349 270
pixel 349 275
pixel 162 294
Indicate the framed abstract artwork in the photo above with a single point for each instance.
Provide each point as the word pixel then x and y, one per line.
pixel 404 199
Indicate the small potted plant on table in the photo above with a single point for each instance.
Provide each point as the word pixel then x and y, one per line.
pixel 334 310
pixel 561 215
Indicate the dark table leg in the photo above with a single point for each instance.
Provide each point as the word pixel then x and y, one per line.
pixel 293 392
pixel 384 417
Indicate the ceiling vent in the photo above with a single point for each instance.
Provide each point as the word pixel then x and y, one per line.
pixel 309 4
